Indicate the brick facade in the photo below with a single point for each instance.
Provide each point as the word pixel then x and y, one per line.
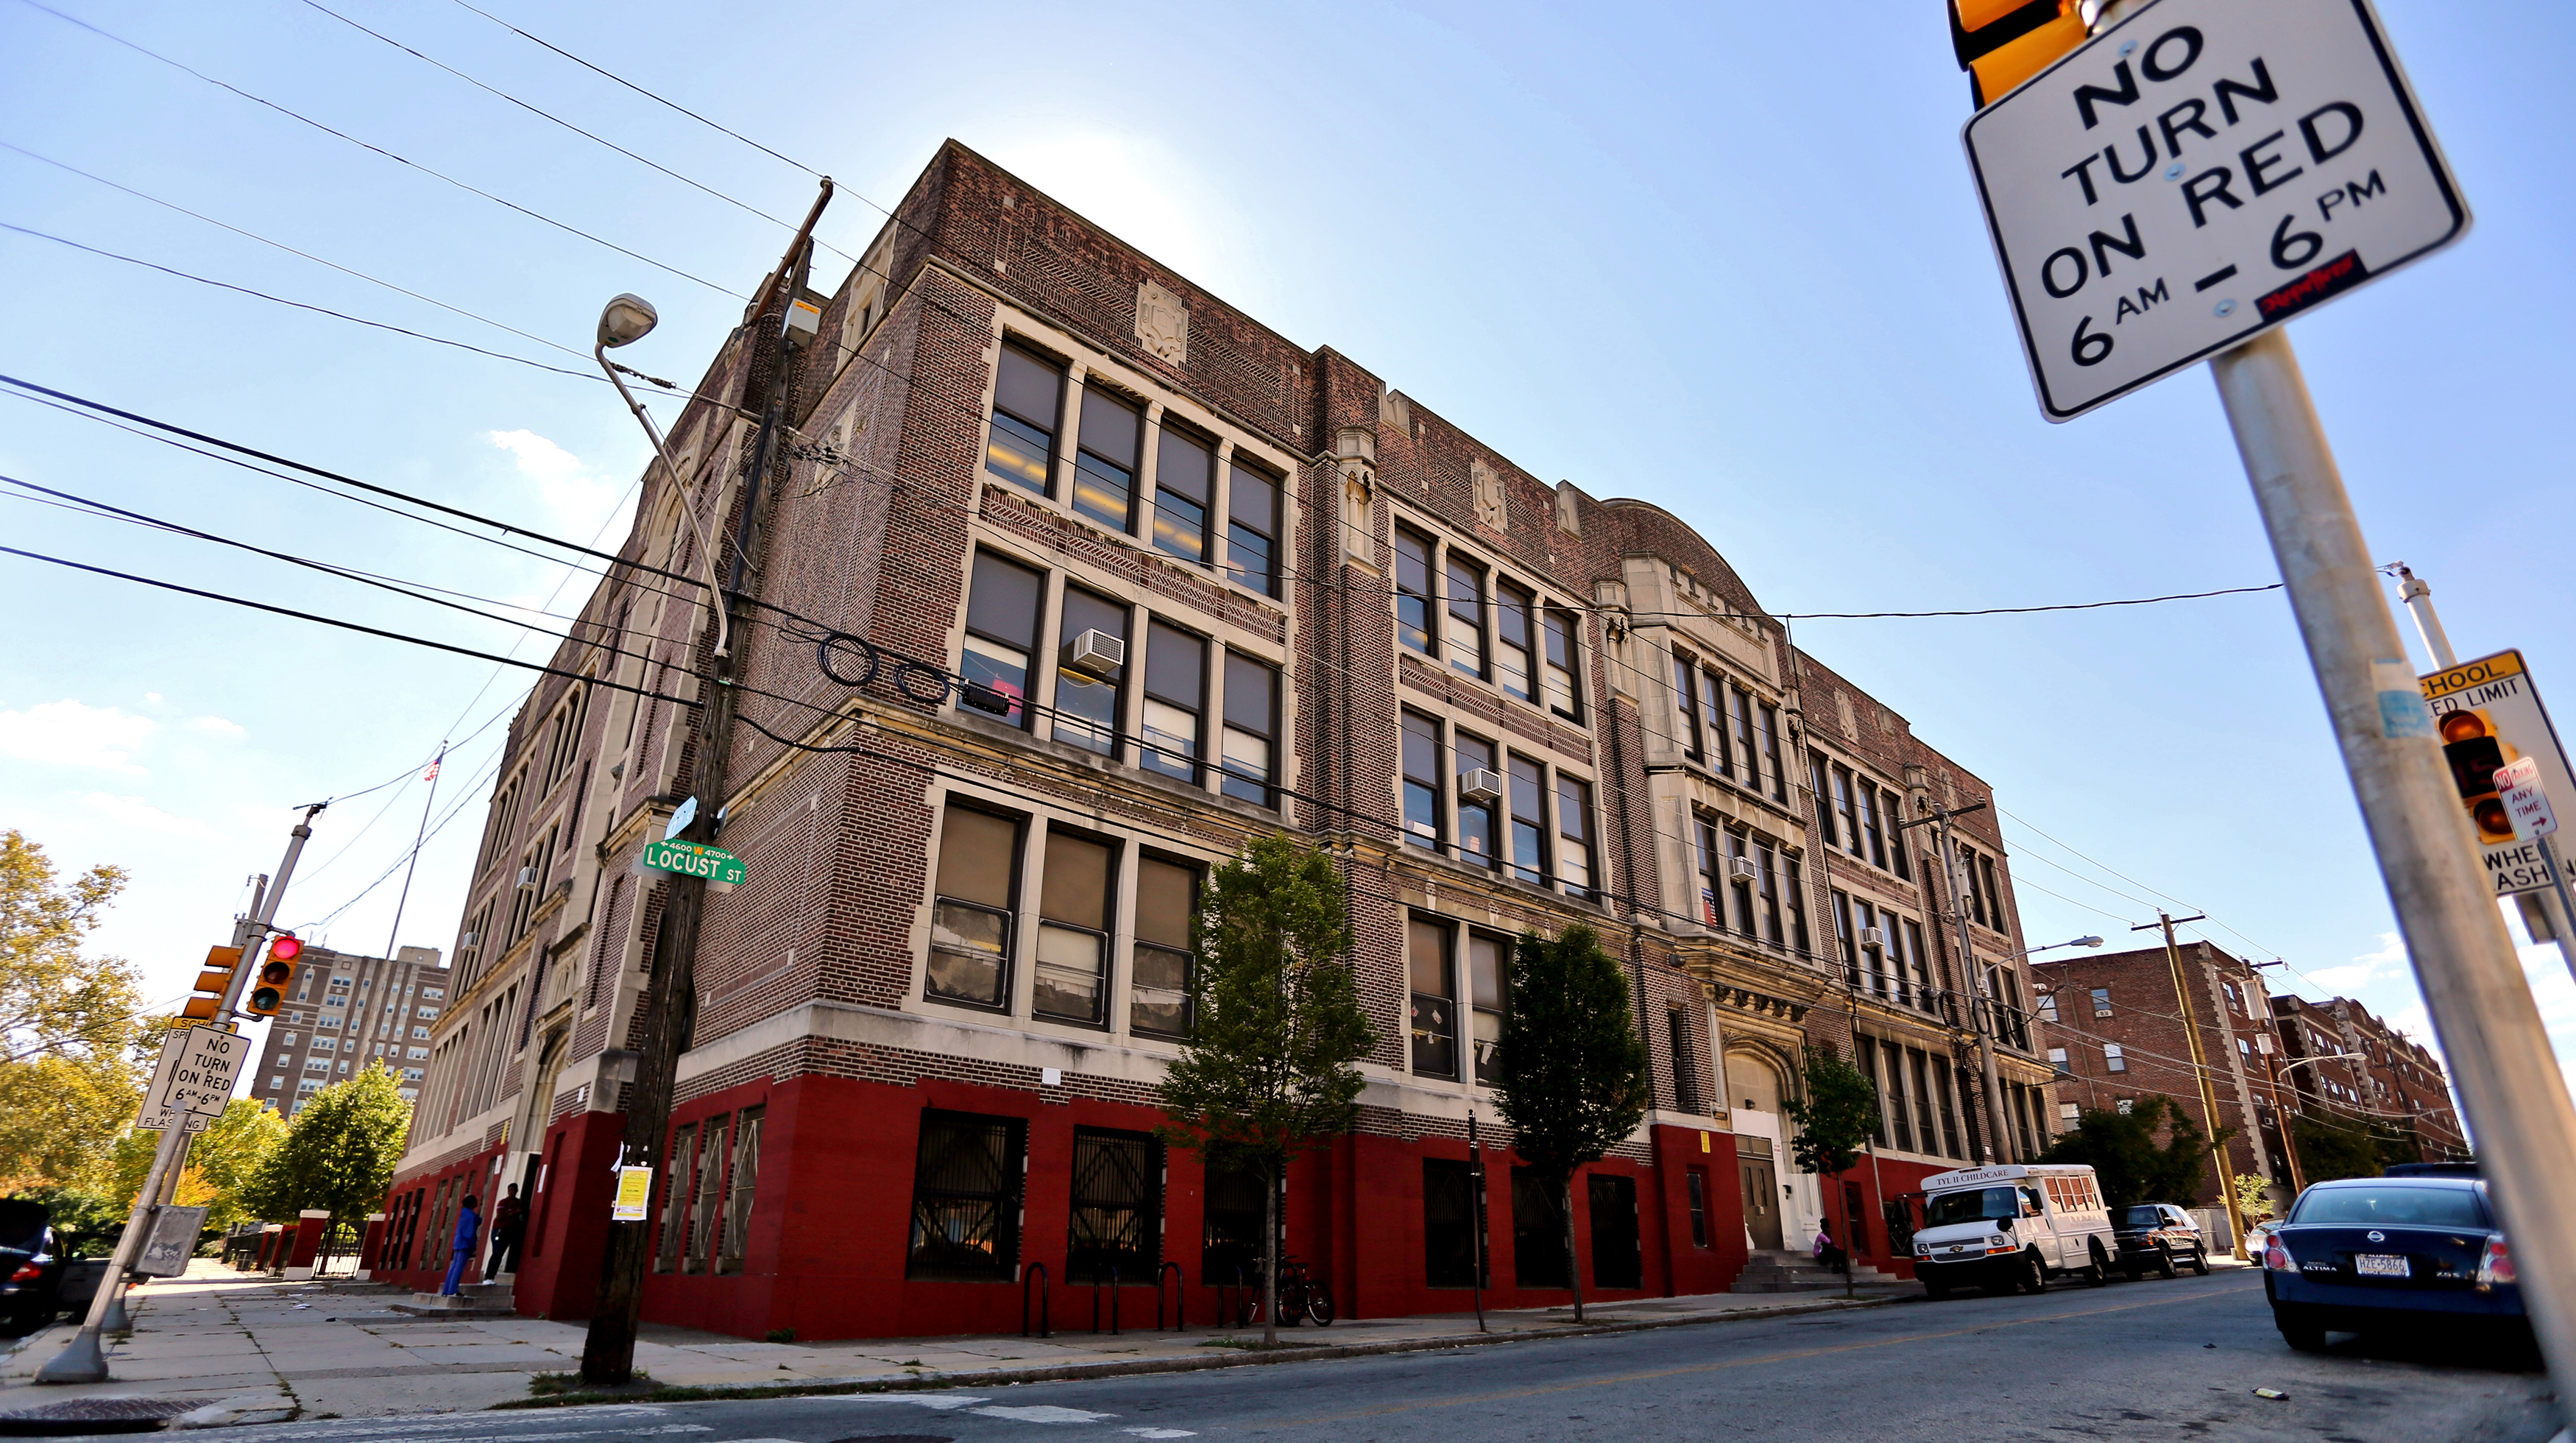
pixel 822 1045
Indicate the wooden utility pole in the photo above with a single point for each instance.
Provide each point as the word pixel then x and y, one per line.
pixel 2200 1072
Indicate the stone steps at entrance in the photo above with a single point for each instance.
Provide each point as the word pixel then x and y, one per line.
pixel 474 1300
pixel 1770 1271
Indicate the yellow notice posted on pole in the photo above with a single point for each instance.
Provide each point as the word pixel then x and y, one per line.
pixel 634 1195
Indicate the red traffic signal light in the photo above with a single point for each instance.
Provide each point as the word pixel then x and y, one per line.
pixel 268 989
pixel 2001 43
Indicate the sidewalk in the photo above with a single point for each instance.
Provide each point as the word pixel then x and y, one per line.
pixel 328 1349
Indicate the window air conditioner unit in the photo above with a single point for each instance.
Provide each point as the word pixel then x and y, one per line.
pixel 1482 784
pixel 469 940
pixel 527 879
pixel 1744 869
pixel 1095 653
pixel 1873 936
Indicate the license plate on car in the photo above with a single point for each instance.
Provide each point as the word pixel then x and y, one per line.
pixel 2379 1265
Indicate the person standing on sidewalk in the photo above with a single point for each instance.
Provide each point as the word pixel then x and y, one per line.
pixel 469 1231
pixel 509 1224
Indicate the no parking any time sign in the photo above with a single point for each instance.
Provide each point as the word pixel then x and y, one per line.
pixel 2200 172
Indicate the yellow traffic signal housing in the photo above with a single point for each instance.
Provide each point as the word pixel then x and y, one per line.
pixel 220 962
pixel 268 989
pixel 2001 43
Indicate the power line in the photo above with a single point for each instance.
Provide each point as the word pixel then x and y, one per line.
pixel 380 150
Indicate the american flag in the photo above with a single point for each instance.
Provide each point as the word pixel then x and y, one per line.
pixel 432 774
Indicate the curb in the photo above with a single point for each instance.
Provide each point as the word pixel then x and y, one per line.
pixel 1004 1377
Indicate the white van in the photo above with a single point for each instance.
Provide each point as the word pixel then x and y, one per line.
pixel 2013 1228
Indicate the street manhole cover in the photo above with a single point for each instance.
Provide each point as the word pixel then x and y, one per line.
pixel 95 1415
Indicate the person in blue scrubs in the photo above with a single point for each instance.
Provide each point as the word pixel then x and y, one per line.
pixel 469 1231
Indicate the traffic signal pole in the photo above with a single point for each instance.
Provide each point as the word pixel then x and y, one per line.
pixel 81 1360
pixel 2500 1056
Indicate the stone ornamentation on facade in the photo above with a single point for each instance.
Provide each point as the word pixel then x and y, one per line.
pixel 1162 323
pixel 1489 496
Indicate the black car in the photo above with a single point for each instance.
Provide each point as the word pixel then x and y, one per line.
pixel 31 1267
pixel 2414 1253
pixel 2159 1236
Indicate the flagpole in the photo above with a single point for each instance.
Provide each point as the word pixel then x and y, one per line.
pixel 414 864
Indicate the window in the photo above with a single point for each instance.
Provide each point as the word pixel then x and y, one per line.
pixel 1252 530
pixel 1869 824
pixel 1175 697
pixel 1845 944
pixel 1231 1247
pixel 420 1034
pixel 1434 1006
pixel 1159 985
pixel 1413 590
pixel 676 1193
pixel 2101 1001
pixel 335 1001
pixel 965 1199
pixel 702 1215
pixel 1087 681
pixel 1512 609
pixel 431 1013
pixel 1844 824
pixel 1915 968
pixel 1448 1223
pixel 1685 701
pixel 1488 975
pixel 2235 1003
pixel 1824 810
pixel 1104 467
pixel 1685 1070
pixel 1466 629
pixel 1184 476
pixel 433 994
pixel 1873 955
pixel 1251 722
pixel 1422 782
pixel 1920 1075
pixel 1766 896
pixel 1739 725
pixel 1574 836
pixel 1796 898
pixel 1028 396
pixel 971 913
pixel 1117 1226
pixel 2068 1112
pixel 325 1044
pixel 2048 1007
pixel 1564 697
pixel 738 1192
pixel 1073 929
pixel 1766 735
pixel 1994 893
pixel 2113 1058
pixel 1001 633
pixel 1538 1233
pixel 1713 721
pixel 1475 818
pixel 1528 785
pixel 1695 1180
pixel 1714 880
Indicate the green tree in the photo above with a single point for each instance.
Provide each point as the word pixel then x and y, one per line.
pixel 230 1153
pixel 1270 1065
pixel 1570 1074
pixel 1836 1112
pixel 2331 1147
pixel 2128 1162
pixel 338 1154
pixel 86 1222
pixel 73 1047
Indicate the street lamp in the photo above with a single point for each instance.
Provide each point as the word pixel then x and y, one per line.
pixel 2053 946
pixel 625 320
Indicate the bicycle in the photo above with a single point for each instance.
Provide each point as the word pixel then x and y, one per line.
pixel 1301 1296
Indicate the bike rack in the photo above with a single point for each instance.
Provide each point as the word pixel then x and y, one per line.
pixel 1029 1275
pixel 1180 1297
pixel 1113 1300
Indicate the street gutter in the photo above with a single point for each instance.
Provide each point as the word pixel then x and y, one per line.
pixel 1005 1377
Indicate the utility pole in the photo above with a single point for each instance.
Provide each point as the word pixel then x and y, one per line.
pixel 81 1361
pixel 2455 936
pixel 1981 1007
pixel 2437 643
pixel 608 1350
pixel 2200 1071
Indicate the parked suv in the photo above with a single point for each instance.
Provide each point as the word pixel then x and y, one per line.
pixel 31 1271
pixel 2418 1254
pixel 2158 1236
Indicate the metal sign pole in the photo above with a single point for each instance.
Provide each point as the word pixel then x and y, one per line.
pixel 2490 1028
pixel 80 1361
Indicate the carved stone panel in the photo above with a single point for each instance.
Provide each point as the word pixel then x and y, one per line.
pixel 1162 323
pixel 1489 496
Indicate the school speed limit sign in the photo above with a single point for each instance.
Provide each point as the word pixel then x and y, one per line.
pixel 2200 172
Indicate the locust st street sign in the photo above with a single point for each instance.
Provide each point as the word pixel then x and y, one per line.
pixel 2198 173
pixel 692 859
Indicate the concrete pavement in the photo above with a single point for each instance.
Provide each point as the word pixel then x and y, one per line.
pixel 337 1350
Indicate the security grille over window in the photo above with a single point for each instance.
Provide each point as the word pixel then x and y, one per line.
pixel 1117 1214
pixel 965 1198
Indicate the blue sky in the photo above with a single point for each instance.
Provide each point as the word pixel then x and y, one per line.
pixel 1723 258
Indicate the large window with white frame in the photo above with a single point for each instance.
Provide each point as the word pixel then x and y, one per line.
pixel 1002 604
pixel 1252 528
pixel 1175 700
pixel 1072 977
pixel 1184 491
pixel 1251 730
pixel 973 908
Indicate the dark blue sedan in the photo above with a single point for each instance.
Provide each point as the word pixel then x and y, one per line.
pixel 2420 1253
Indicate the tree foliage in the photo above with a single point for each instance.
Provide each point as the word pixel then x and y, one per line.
pixel 2128 1162
pixel 1570 1073
pixel 338 1154
pixel 74 1048
pixel 1270 1064
pixel 2331 1147
pixel 1836 1112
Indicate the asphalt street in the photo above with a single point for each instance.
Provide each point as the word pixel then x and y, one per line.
pixel 2158 1359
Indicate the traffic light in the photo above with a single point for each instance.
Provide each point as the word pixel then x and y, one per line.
pixel 268 989
pixel 2001 43
pixel 2473 751
pixel 220 962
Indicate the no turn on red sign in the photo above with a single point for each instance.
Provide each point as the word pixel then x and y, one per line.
pixel 2198 173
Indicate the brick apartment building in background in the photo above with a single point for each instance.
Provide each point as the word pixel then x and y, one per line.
pixel 349 1011
pixel 2387 1080
pixel 1067 580
pixel 2116 1034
